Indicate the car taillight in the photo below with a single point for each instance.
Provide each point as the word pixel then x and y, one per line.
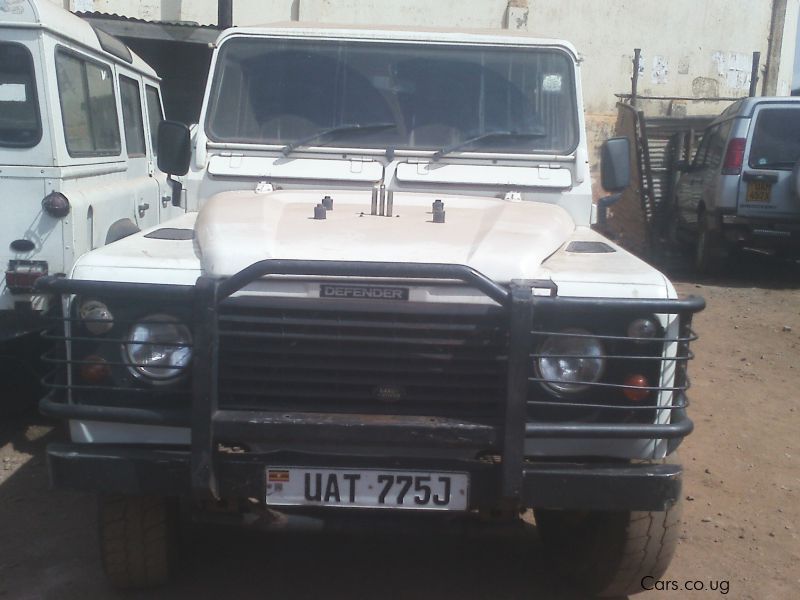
pixel 734 157
pixel 22 274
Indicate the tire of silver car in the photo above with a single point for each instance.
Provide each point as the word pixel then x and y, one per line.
pixel 138 539
pixel 708 248
pixel 609 553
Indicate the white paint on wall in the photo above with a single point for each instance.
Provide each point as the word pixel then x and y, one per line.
pixel 734 69
pixel 81 5
pixel 660 70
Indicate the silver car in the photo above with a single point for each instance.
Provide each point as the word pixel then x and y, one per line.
pixel 740 189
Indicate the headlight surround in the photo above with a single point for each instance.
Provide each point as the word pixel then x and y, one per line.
pixel 158 348
pixel 571 361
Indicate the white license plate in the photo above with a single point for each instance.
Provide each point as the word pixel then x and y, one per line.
pixel 367 488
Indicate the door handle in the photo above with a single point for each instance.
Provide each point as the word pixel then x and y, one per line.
pixel 143 209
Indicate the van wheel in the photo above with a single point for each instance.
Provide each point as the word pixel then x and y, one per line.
pixel 708 254
pixel 138 539
pixel 609 553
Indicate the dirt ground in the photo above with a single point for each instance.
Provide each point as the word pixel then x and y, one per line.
pixel 740 523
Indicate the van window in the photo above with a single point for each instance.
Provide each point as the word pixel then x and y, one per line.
pixel 154 114
pixel 776 139
pixel 19 109
pixel 716 144
pixel 132 118
pixel 88 106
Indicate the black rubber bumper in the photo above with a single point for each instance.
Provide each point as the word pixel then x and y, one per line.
pixel 581 486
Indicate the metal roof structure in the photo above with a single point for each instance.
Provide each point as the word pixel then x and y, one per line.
pixel 168 31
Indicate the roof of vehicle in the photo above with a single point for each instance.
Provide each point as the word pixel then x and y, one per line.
pixel 46 15
pixel 395 33
pixel 744 108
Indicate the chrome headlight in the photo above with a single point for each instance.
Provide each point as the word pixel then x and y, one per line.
pixel 158 348
pixel 571 361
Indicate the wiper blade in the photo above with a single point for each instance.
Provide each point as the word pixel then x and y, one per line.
pixel 486 135
pixel 328 131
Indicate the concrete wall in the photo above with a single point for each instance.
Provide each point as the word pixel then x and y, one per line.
pixel 690 48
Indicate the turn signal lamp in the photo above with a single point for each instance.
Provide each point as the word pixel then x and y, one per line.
pixel 637 389
pixel 95 369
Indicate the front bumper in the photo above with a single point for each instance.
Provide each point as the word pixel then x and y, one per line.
pixel 563 485
pixel 204 472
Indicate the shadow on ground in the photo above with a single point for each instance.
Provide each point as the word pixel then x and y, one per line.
pixel 747 269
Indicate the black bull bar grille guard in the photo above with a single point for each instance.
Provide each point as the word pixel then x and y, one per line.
pixel 519 304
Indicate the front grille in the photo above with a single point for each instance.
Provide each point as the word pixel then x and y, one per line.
pixel 372 358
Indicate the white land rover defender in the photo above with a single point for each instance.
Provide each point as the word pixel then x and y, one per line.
pixel 79 113
pixel 388 298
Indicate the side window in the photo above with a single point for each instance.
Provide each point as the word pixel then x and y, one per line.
pixel 88 106
pixel 154 114
pixel 19 109
pixel 132 118
pixel 702 149
pixel 716 145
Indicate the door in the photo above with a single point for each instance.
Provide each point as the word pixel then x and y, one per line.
pixel 766 188
pixel 140 179
pixel 155 114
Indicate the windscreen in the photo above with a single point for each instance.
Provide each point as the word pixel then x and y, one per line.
pixel 393 96
pixel 776 139
pixel 19 110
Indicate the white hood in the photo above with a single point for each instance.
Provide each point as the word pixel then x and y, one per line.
pixel 504 240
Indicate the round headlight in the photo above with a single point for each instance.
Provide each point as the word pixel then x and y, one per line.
pixel 96 317
pixel 158 347
pixel 571 361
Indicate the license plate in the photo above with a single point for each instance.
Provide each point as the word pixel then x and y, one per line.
pixel 367 488
pixel 758 191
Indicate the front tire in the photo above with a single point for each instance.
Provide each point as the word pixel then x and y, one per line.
pixel 138 539
pixel 709 251
pixel 609 553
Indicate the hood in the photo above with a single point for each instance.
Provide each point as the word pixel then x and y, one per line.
pixel 503 239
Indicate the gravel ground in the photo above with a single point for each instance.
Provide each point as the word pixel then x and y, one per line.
pixel 740 519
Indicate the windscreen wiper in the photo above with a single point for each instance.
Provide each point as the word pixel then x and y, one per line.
pixel 486 135
pixel 328 131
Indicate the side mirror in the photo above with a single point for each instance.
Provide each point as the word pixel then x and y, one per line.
pixel 174 148
pixel 615 164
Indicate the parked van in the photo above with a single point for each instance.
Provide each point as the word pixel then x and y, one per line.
pixel 79 113
pixel 740 189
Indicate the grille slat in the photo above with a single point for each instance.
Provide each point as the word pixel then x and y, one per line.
pixel 381 362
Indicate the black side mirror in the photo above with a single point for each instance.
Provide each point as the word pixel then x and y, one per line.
pixel 615 164
pixel 174 148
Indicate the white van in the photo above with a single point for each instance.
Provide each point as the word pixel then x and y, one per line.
pixel 79 113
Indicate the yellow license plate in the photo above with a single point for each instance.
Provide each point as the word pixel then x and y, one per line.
pixel 758 191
